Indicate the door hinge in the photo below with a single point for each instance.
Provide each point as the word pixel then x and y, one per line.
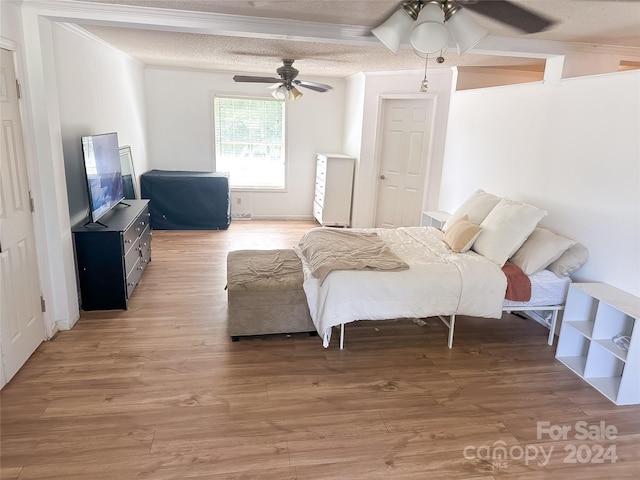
pixel 18 89
pixel 31 204
pixel 43 305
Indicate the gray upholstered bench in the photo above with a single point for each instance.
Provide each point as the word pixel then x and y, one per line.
pixel 265 295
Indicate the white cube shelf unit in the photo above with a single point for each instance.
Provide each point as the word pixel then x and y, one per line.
pixel 594 314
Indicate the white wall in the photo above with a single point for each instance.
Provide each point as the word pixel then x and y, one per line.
pixel 10 22
pixel 55 105
pixel 30 37
pixel 100 90
pixel 569 146
pixel 353 115
pixel 180 133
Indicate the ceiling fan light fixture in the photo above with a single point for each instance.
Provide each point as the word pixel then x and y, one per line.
pixel 284 93
pixel 281 93
pixel 428 34
pixel 294 94
pixel 465 30
pixel 395 30
pixel 426 25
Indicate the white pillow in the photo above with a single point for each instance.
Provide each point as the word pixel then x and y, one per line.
pixel 476 207
pixel 539 250
pixel 570 261
pixel 506 228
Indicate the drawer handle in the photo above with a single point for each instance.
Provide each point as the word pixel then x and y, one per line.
pixel 131 284
pixel 142 222
pixel 128 240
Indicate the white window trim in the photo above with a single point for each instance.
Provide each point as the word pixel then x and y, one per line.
pixel 285 145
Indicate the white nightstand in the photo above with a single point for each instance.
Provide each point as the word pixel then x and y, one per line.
pixel 434 219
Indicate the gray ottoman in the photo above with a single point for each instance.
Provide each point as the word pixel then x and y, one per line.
pixel 265 295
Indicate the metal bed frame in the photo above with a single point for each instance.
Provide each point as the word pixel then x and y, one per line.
pixel 450 321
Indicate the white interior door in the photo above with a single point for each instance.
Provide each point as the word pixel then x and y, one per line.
pixel 21 320
pixel 403 154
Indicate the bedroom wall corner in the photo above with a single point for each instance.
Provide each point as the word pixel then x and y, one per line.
pixel 353 120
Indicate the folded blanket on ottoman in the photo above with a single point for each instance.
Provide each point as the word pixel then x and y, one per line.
pixel 265 293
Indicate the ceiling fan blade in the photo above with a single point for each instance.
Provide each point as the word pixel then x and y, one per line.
pixel 318 87
pixel 510 14
pixel 249 78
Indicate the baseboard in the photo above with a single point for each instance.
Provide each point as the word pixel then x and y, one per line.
pixel 241 216
pixel 280 217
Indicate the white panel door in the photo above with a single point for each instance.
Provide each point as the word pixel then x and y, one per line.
pixel 402 158
pixel 21 321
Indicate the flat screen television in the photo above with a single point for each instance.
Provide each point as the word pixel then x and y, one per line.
pixel 104 173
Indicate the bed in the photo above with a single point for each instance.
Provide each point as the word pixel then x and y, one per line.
pixel 430 278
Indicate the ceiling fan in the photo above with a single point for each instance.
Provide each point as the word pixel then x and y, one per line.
pixel 428 23
pixel 285 88
pixel 510 14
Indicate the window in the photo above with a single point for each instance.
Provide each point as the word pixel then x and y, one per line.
pixel 249 141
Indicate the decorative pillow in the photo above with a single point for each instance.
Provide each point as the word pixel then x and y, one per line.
pixel 539 250
pixel 462 234
pixel 506 228
pixel 570 261
pixel 476 207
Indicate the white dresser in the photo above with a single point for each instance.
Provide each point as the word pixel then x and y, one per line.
pixel 334 187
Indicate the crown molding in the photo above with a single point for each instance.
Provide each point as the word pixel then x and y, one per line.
pixel 199 22
pixel 184 21
pixel 81 32
pixel 531 48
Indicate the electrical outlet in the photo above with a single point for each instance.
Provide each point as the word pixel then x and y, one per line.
pixel 238 200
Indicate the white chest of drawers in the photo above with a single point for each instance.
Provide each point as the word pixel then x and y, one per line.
pixel 334 188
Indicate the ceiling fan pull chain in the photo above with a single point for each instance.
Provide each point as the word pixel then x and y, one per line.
pixel 424 86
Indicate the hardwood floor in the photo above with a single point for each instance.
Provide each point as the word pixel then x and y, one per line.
pixel 160 392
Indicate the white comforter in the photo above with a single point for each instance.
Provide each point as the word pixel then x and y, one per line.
pixel 438 282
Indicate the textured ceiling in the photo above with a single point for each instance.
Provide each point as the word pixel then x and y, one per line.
pixel 585 23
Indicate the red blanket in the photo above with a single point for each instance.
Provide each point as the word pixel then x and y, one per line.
pixel 518 284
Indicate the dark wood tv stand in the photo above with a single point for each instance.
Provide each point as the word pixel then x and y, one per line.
pixel 112 255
